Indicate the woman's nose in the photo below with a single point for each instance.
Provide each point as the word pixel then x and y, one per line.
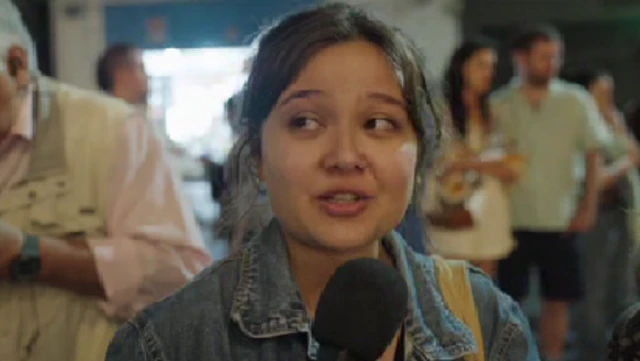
pixel 344 151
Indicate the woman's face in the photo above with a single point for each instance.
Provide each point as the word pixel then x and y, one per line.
pixel 479 69
pixel 339 151
pixel 602 90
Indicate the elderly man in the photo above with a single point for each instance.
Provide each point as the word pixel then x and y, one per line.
pixel 92 224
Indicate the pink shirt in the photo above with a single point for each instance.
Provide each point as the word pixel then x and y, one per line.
pixel 153 245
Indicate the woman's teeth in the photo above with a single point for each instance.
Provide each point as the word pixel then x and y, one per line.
pixel 344 197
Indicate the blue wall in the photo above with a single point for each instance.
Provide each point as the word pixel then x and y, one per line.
pixel 213 23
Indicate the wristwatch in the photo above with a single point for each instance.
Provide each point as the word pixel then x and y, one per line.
pixel 27 265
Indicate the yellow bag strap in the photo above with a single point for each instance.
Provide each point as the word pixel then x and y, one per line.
pixel 453 277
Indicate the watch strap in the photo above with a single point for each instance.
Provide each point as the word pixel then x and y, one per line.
pixel 30 247
pixel 27 266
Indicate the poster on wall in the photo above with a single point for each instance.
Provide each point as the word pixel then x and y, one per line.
pixel 156 30
pixel 194 24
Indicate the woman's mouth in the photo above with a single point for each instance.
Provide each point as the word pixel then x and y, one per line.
pixel 344 204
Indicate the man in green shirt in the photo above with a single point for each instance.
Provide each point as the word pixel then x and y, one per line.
pixel 557 127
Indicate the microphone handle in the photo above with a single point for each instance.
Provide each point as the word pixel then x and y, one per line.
pixel 330 353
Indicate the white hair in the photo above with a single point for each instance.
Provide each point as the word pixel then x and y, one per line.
pixel 14 32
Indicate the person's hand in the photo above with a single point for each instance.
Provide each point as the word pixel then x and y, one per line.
pixel 17 61
pixel 460 166
pixel 10 245
pixel 18 65
pixel 583 221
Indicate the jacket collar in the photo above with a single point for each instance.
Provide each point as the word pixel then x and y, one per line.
pixel 267 300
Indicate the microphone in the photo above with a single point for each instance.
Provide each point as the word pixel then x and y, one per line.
pixel 360 311
pixel 623 344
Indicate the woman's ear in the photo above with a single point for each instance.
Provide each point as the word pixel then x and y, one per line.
pixel 256 159
pixel 260 172
pixel 262 185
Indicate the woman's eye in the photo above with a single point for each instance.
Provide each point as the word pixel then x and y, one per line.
pixel 306 123
pixel 380 124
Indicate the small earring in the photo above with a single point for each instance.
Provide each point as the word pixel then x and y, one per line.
pixel 262 187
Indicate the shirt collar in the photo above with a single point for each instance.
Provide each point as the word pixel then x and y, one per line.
pixel 554 84
pixel 267 302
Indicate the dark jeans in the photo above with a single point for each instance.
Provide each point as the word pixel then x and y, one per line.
pixel 610 286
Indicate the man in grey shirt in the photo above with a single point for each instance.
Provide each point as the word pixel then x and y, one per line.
pixel 557 127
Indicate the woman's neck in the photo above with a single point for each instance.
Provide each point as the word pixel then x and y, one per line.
pixel 472 104
pixel 312 267
pixel 471 99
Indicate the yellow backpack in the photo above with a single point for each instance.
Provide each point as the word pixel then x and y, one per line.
pixel 453 277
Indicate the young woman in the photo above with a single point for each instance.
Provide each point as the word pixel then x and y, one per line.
pixel 475 169
pixel 340 128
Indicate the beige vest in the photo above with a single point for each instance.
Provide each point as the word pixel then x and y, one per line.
pixel 64 194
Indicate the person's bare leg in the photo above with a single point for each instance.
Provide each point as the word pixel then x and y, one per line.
pixel 488 267
pixel 554 325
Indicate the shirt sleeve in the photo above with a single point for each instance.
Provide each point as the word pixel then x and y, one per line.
pixel 595 133
pixel 152 245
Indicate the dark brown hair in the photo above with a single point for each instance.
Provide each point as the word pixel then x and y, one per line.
pixel 526 37
pixel 114 57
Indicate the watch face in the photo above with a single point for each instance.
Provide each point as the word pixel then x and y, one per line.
pixel 25 269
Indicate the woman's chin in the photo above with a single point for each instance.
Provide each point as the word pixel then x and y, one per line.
pixel 338 237
pixel 340 244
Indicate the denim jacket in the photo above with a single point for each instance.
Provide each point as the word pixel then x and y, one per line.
pixel 248 308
